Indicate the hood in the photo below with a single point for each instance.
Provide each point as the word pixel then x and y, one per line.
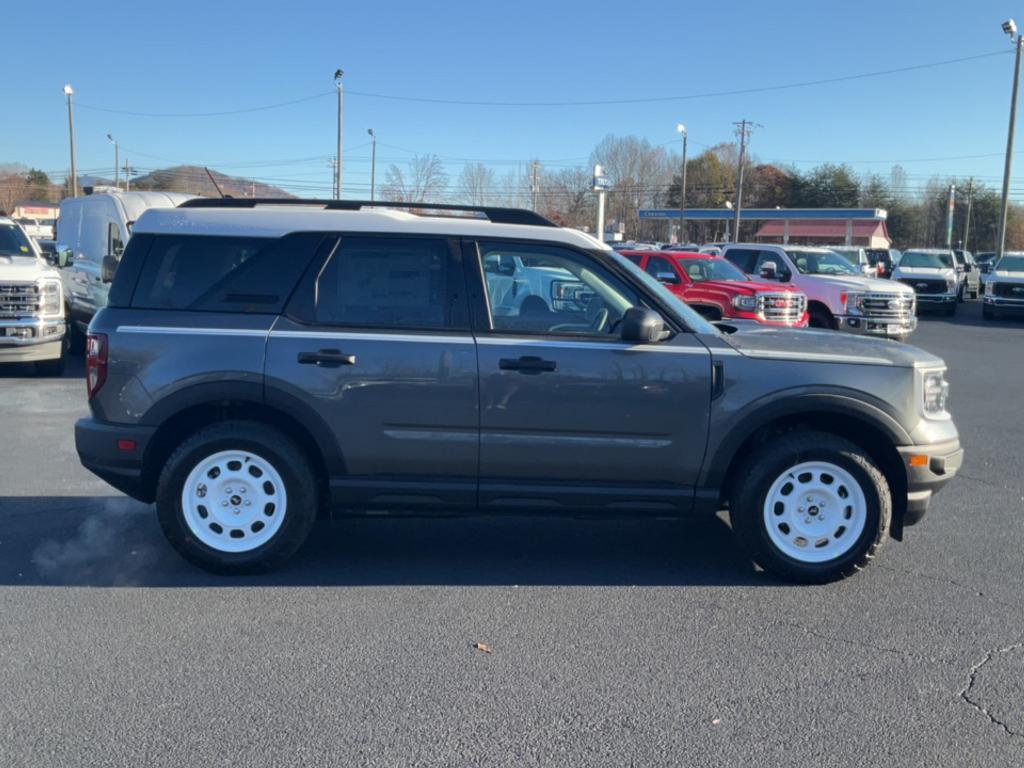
pixel 1005 276
pixel 827 347
pixel 24 269
pixel 748 287
pixel 872 284
pixel 947 274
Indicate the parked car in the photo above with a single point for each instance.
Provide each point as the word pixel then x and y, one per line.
pixel 933 275
pixel 857 257
pixel 256 364
pixel 38 229
pixel 969 273
pixel 32 324
pixel 719 291
pixel 839 297
pixel 92 232
pixel 884 260
pixel 1004 287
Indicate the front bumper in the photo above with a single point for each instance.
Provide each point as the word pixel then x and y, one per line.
pixel 936 299
pixel 36 352
pixel 102 449
pixel 1003 304
pixel 927 476
pixel 877 326
pixel 28 340
pixel 738 314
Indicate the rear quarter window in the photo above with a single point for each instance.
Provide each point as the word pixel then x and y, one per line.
pixel 222 274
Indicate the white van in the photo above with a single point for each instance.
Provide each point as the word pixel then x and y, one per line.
pixel 90 228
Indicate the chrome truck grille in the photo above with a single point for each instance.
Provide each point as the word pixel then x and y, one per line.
pixel 926 285
pixel 1009 290
pixel 781 307
pixel 888 306
pixel 19 300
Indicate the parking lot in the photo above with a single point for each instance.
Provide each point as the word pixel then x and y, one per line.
pixel 612 642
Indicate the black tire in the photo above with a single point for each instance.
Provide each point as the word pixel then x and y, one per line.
pixel 950 310
pixel 987 312
pixel 77 339
pixel 820 319
pixel 286 457
pixel 960 295
pixel 756 476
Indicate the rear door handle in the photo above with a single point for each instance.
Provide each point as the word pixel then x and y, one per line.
pixel 527 365
pixel 326 358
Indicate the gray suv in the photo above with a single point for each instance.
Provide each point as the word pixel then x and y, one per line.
pixel 263 362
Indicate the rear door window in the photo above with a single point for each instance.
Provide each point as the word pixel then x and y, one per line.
pixel 222 274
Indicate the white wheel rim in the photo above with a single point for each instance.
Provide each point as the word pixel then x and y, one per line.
pixel 234 501
pixel 815 512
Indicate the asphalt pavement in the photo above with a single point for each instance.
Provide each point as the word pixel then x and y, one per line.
pixel 612 643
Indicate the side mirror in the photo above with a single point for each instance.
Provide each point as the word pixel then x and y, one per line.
pixel 64 255
pixel 968 268
pixel 108 268
pixel 770 270
pixel 642 326
pixel 667 277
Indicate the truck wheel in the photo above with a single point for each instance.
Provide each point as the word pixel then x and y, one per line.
pixel 951 310
pixel 820 319
pixel 812 507
pixel 987 312
pixel 237 497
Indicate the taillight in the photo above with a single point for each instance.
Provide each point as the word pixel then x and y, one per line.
pixel 95 362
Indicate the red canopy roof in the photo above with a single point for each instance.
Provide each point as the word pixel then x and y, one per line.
pixel 829 229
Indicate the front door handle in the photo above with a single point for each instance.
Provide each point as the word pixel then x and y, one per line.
pixel 527 365
pixel 326 358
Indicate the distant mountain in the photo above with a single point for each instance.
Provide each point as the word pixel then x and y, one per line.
pixel 192 180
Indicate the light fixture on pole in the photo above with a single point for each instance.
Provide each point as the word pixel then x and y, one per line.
pixel 117 177
pixel 600 185
pixel 373 163
pixel 70 92
pixel 1010 28
pixel 338 73
pixel 680 128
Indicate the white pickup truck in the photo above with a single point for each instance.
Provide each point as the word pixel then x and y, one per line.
pixel 838 296
pixel 32 323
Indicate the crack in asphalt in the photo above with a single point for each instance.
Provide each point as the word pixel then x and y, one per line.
pixel 946 580
pixel 860 644
pixel 965 692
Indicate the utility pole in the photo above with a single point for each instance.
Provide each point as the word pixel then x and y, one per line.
pixel 967 218
pixel 535 183
pixel 373 163
pixel 682 187
pixel 1010 28
pixel 949 215
pixel 600 186
pixel 116 161
pixel 70 92
pixel 127 176
pixel 744 129
pixel 334 177
pixel 338 189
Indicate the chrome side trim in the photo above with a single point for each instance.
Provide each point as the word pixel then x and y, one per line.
pixel 559 344
pixel 383 336
pixel 185 331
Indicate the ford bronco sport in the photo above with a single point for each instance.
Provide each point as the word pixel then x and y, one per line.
pixel 259 362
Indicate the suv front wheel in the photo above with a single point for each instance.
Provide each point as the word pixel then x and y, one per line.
pixel 811 507
pixel 237 497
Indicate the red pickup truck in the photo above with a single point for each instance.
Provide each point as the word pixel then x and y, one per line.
pixel 720 291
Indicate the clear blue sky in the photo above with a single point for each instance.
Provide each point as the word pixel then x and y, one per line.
pixel 207 56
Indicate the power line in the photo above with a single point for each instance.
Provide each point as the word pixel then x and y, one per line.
pixel 581 103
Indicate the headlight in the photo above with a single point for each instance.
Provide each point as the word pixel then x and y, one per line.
pixel 988 288
pixel 50 293
pixel 746 303
pixel 951 284
pixel 934 392
pixel 852 301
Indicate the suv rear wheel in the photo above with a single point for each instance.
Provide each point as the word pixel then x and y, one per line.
pixel 237 497
pixel 811 507
pixel 820 318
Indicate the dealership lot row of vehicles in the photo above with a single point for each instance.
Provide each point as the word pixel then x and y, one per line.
pixel 251 365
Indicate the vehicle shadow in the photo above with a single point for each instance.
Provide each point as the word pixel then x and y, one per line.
pixel 74 368
pixel 969 314
pixel 115 541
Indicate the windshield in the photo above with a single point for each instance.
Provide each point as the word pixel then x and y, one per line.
pixel 852 256
pixel 700 270
pixel 1011 263
pixel 14 242
pixel 687 315
pixel 821 263
pixel 923 260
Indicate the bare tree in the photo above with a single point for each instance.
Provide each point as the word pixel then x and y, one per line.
pixel 477 184
pixel 566 197
pixel 14 188
pixel 424 180
pixel 640 175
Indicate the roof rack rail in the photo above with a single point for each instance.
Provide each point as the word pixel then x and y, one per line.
pixel 492 214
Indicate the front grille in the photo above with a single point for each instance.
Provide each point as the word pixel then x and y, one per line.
pixel 888 306
pixel 1009 290
pixel 19 300
pixel 782 307
pixel 926 285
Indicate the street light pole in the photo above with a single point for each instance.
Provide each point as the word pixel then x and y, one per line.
pixel 373 163
pixel 70 92
pixel 338 168
pixel 745 127
pixel 1010 28
pixel 682 187
pixel 117 177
